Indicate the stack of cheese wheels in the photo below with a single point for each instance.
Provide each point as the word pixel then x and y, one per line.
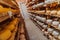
pixel 55 34
pixel 5 34
pixel 53 12
pixel 11 26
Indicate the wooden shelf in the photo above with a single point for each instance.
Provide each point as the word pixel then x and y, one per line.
pixel 49 34
pixel 43 13
pixel 7 4
pixel 5 17
pixel 50 25
pixel 13 34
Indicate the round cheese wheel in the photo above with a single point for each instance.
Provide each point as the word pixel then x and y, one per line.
pixel 43 19
pixel 38 17
pixel 48 21
pixel 55 33
pixel 5 35
pixel 42 24
pixel 22 36
pixel 45 26
pixel 55 23
pixel 50 30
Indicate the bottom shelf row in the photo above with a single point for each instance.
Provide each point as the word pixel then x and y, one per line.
pixel 14 30
pixel 50 32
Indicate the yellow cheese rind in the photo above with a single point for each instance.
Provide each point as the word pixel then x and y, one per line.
pixel 5 35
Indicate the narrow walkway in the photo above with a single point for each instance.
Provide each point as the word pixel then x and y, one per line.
pixel 33 31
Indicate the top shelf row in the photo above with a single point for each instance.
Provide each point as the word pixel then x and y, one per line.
pixel 10 3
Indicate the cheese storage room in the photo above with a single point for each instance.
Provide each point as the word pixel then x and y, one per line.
pixel 29 19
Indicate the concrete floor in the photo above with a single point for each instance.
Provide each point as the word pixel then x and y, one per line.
pixel 33 31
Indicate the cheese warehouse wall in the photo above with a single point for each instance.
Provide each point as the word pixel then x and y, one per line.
pixel 29 19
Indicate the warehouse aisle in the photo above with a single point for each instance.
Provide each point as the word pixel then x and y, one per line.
pixel 33 31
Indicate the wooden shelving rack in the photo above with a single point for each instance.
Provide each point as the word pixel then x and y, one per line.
pixel 43 10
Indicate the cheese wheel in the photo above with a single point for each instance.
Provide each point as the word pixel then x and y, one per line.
pixel 55 23
pixel 22 36
pixel 43 19
pixel 45 26
pixel 10 27
pixel 5 35
pixel 55 33
pixel 48 21
pixel 38 17
pixel 50 30
pixel 53 12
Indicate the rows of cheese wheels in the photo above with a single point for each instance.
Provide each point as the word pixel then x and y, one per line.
pixel 22 33
pixel 5 10
pixel 6 33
